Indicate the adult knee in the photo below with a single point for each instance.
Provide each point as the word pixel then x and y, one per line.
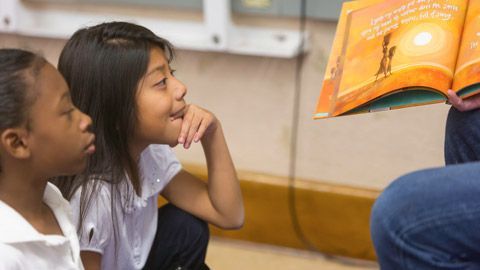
pixel 380 218
pixel 392 210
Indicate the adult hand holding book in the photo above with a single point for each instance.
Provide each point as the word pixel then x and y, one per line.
pixel 463 105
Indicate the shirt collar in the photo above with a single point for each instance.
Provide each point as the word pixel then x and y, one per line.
pixel 14 228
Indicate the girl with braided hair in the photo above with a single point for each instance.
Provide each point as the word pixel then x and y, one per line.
pixel 42 134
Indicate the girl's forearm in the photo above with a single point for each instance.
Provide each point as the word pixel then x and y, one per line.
pixel 223 185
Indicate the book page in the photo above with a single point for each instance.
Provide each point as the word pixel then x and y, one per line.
pixel 325 100
pixel 392 45
pixel 468 66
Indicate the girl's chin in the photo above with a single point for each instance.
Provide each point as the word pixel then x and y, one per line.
pixel 173 144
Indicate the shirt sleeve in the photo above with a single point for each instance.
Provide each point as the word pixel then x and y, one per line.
pixel 97 230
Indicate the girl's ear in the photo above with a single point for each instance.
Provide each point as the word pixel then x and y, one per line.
pixel 15 142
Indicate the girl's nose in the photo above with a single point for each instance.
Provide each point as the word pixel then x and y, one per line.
pixel 85 123
pixel 181 90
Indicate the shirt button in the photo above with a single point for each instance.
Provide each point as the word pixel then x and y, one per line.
pixel 158 180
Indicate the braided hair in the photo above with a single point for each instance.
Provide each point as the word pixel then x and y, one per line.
pixel 18 72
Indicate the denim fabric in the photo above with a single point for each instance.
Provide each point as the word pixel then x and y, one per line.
pixel 462 137
pixel 430 219
pixel 180 243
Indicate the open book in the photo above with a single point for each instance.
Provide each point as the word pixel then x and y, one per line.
pixel 390 54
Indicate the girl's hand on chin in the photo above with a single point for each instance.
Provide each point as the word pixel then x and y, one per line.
pixel 197 124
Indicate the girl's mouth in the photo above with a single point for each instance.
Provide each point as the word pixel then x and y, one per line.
pixel 90 148
pixel 178 114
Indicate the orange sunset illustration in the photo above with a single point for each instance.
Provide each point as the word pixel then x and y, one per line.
pixel 417 51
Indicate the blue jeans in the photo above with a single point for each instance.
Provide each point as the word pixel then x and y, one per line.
pixel 430 219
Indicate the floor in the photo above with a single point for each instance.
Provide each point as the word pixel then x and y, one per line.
pixel 238 255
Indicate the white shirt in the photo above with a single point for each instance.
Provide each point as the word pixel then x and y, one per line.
pixel 136 218
pixel 23 247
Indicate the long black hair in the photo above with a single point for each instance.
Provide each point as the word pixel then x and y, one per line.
pixel 18 72
pixel 103 65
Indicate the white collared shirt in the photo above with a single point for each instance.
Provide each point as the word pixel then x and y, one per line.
pixel 136 218
pixel 23 247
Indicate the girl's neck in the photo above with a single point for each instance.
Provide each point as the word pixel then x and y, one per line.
pixel 136 149
pixel 23 191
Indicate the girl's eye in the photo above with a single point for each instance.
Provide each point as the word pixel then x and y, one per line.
pixel 162 83
pixel 172 72
pixel 69 112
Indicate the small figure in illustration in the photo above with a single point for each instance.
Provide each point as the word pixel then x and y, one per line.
pixel 383 64
pixel 384 61
pixel 386 40
pixel 391 53
pixel 334 71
